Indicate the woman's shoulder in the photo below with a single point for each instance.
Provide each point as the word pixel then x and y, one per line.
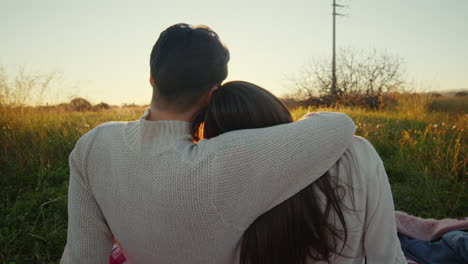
pixel 360 168
pixel 361 161
pixel 363 151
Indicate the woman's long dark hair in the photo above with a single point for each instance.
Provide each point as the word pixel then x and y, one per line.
pixel 299 228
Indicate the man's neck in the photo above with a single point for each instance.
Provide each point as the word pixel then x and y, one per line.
pixel 157 114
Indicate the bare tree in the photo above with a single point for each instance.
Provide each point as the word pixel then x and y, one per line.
pixel 357 72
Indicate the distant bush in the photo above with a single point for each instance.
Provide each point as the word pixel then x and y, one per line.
pixel 100 106
pixel 126 105
pixel 461 94
pixel 80 105
pixel 290 102
pixel 450 104
pixel 435 94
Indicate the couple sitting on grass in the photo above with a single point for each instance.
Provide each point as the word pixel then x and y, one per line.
pixel 217 173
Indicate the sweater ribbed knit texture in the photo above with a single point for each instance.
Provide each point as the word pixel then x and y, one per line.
pixel 168 200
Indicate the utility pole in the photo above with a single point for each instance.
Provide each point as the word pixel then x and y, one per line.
pixel 334 89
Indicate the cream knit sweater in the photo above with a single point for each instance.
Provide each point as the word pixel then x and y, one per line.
pixel 168 200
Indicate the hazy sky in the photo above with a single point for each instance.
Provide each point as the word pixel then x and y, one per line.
pixel 101 48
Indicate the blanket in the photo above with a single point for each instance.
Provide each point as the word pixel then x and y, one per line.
pixel 427 229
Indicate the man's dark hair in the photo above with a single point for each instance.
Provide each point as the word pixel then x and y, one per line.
pixel 186 62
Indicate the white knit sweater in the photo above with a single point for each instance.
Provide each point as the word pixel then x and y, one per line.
pixel 168 200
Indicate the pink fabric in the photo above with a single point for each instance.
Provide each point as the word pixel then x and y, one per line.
pixel 117 256
pixel 410 261
pixel 427 229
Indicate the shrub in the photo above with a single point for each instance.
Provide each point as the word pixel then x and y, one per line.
pixel 100 106
pixel 80 105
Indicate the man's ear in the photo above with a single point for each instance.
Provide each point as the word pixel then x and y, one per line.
pixel 151 81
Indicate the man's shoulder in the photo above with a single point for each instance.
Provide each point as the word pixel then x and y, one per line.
pixel 112 125
pixel 102 131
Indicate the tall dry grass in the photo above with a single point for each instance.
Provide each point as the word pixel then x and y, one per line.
pixel 425 155
pixel 414 105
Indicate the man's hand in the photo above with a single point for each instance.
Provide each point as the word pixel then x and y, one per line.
pixel 308 115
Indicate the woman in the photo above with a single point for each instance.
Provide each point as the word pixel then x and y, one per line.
pixel 344 217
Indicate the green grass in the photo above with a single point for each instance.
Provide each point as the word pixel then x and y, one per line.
pixel 425 155
pixel 34 150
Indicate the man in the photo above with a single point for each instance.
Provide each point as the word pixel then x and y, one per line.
pixel 168 200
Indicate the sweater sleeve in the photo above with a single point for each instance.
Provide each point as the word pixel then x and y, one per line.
pixel 257 169
pixel 89 239
pixel 381 243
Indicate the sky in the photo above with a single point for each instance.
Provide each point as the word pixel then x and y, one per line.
pixel 101 48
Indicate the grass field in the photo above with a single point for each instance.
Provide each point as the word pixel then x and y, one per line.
pixel 425 155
